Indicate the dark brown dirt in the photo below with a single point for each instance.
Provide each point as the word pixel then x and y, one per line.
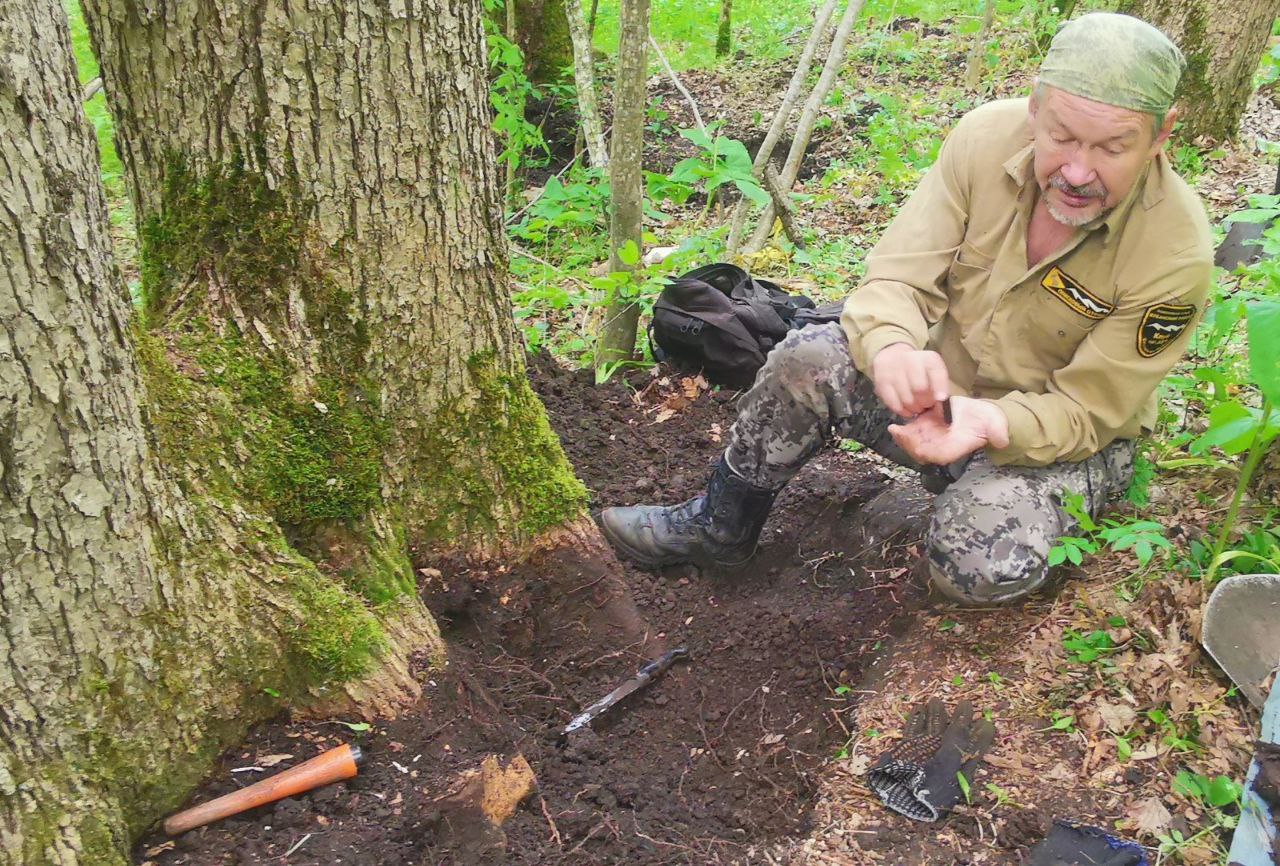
pixel 714 757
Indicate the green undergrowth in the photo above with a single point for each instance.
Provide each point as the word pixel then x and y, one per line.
pixel 504 427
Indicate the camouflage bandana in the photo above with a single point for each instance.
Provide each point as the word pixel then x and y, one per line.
pixel 1114 59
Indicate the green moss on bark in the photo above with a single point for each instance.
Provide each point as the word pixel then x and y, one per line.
pixel 504 431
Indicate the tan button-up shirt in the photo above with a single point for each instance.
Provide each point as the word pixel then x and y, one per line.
pixel 1071 349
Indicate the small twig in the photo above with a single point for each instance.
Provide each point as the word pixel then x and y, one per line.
pixel 91 89
pixel 697 116
pixel 555 832
pixel 297 845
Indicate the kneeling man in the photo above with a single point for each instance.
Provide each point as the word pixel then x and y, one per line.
pixel 1008 337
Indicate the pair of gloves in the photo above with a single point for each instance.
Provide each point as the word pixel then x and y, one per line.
pixel 921 778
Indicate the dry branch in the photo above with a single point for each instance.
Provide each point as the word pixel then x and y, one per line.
pixel 675 79
pixel 780 118
pixel 812 107
pixel 783 205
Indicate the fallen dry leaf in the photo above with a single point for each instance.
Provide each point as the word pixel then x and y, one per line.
pixel 1116 718
pixel 272 760
pixel 1149 816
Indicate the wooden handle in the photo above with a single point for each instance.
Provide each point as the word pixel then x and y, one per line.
pixel 331 766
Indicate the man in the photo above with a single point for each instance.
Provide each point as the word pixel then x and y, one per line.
pixel 1015 320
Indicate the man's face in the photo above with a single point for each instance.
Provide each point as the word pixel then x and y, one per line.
pixel 1088 154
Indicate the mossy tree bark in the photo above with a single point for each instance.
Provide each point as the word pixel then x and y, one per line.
pixel 545 38
pixel 724 29
pixel 140 626
pixel 221 507
pixel 1223 41
pixel 318 180
pixel 617 338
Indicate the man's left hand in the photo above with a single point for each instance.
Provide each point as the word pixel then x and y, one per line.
pixel 975 424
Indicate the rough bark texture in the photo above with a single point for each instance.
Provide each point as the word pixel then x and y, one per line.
pixel 138 627
pixel 1222 41
pixel 226 501
pixel 585 79
pixel 350 144
pixel 618 334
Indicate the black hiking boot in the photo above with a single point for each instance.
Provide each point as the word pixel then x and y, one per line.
pixel 721 528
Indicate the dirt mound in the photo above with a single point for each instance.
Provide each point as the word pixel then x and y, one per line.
pixel 713 758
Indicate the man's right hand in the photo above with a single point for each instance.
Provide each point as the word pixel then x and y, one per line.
pixel 909 380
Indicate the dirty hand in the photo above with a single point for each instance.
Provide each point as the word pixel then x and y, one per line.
pixel 909 380
pixel 918 777
pixel 975 424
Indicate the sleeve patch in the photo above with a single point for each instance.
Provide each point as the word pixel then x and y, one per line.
pixel 1161 324
pixel 1068 290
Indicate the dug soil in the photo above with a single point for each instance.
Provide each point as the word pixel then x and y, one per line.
pixel 714 762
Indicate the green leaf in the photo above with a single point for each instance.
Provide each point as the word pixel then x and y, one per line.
pixel 964 786
pixel 1264 348
pixel 1231 428
pixel 629 254
pixel 698 137
pixel 358 727
pixel 843 690
pixel 1222 791
pixel 1123 750
pixel 734 153
pixel 1191 785
pixel 1057 555
pixel 752 191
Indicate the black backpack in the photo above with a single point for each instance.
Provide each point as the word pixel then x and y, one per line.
pixel 722 320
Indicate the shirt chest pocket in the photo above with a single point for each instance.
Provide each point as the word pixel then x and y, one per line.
pixel 968 279
pixel 1061 312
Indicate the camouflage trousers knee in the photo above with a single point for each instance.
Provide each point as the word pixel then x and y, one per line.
pixel 992 526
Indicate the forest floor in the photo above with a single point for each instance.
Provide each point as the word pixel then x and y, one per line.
pixel 802 666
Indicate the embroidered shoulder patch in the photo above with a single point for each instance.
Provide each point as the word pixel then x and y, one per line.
pixel 1074 295
pixel 1161 324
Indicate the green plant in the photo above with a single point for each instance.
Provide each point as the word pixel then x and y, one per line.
pixel 509 93
pixel 720 160
pixel 1064 722
pixel 1249 421
pixel 1215 796
pixel 1085 649
pixel 1144 537
pixel 964 787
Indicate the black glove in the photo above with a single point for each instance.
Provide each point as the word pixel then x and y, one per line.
pixel 917 778
pixel 1070 844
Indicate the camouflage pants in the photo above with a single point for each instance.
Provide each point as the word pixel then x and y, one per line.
pixel 992 526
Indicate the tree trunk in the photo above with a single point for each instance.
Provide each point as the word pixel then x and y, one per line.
pixel 1223 41
pixel 222 508
pixel 585 79
pixel 318 179
pixel 618 334
pixel 140 627
pixel 724 32
pixel 545 38
pixel 978 50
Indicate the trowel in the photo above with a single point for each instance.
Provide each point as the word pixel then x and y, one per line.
pixel 1242 632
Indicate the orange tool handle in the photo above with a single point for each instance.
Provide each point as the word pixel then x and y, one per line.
pixel 331 766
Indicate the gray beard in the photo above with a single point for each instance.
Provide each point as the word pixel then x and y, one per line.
pixel 1073 221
